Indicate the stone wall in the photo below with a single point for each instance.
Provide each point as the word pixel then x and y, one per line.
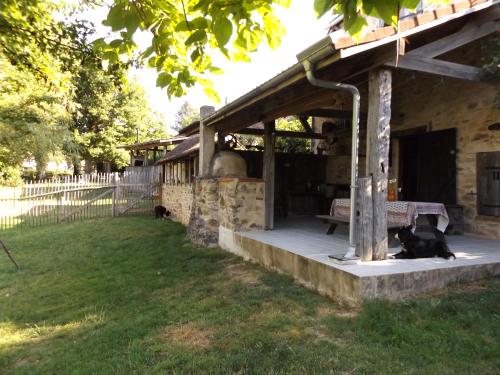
pixel 438 103
pixel 470 108
pixel 203 228
pixel 227 205
pixel 442 103
pixel 178 199
pixel 241 204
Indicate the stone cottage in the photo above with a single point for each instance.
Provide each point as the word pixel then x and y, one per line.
pixel 428 118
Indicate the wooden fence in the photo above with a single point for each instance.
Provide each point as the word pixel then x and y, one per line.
pixel 80 197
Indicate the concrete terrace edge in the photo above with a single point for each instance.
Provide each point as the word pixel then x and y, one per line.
pixel 342 285
pixel 333 283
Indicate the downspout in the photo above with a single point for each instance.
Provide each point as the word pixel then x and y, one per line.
pixel 308 63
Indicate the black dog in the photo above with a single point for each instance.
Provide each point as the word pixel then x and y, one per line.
pixel 161 212
pixel 415 247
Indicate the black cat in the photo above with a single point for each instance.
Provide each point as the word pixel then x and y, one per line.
pixel 161 212
pixel 415 247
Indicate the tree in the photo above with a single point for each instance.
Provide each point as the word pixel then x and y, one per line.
pixel 184 33
pixel 185 116
pixel 109 114
pixel 34 119
pixel 292 145
pixel 56 96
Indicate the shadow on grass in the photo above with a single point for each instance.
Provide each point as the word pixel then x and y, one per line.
pixel 132 295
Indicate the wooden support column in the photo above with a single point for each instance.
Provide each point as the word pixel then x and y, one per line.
pixel 220 141
pixel 145 160
pixel 132 158
pixel 364 248
pixel 268 174
pixel 377 153
pixel 207 142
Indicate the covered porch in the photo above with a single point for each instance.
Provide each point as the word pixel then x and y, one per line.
pixel 401 85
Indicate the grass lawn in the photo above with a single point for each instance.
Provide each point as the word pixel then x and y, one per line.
pixel 131 295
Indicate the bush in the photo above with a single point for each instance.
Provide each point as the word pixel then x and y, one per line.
pixel 10 176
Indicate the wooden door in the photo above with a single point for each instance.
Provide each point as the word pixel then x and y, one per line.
pixel 428 167
pixel 488 183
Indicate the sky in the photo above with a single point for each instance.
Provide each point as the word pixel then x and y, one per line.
pixel 303 29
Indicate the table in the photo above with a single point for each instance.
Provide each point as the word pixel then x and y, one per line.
pixel 400 212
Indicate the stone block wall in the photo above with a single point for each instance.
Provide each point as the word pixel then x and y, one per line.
pixel 470 107
pixel 241 204
pixel 203 226
pixel 440 103
pixel 227 204
pixel 178 199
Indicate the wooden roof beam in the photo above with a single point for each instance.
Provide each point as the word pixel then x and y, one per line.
pixel 477 28
pixel 281 133
pixel 305 124
pixel 439 67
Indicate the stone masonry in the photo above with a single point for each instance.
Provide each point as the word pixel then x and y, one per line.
pixel 233 204
pixel 203 226
pixel 470 108
pixel 178 199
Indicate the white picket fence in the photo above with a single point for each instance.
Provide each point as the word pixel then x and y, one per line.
pixel 79 197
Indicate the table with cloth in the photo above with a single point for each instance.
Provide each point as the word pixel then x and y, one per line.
pixel 399 212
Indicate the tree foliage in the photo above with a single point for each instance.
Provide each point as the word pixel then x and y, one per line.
pixel 291 145
pixel 34 121
pixel 186 115
pixel 356 12
pixel 33 39
pixel 109 116
pixel 57 97
pixel 184 33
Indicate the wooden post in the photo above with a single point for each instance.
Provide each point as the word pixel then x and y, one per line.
pixel 132 158
pixel 364 248
pixel 220 141
pixel 207 141
pixel 113 201
pixel 377 155
pixel 145 160
pixel 268 174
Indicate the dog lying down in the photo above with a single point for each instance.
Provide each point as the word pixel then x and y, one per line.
pixel 161 212
pixel 415 247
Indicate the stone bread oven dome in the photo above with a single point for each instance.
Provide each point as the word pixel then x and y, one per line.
pixel 228 164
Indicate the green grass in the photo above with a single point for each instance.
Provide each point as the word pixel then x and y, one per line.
pixel 131 295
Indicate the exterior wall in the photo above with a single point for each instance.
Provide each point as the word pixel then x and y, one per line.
pixel 438 103
pixel 204 223
pixel 470 107
pixel 178 199
pixel 225 205
pixel 241 204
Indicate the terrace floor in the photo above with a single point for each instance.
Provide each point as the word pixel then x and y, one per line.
pixel 305 238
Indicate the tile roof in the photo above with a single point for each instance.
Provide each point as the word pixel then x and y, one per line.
pixel 345 41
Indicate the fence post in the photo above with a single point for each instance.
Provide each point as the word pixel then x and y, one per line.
pixel 59 198
pixel 113 201
pixel 63 204
pixel 364 247
pixel 116 191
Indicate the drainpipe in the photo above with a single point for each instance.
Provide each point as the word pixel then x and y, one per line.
pixel 308 58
